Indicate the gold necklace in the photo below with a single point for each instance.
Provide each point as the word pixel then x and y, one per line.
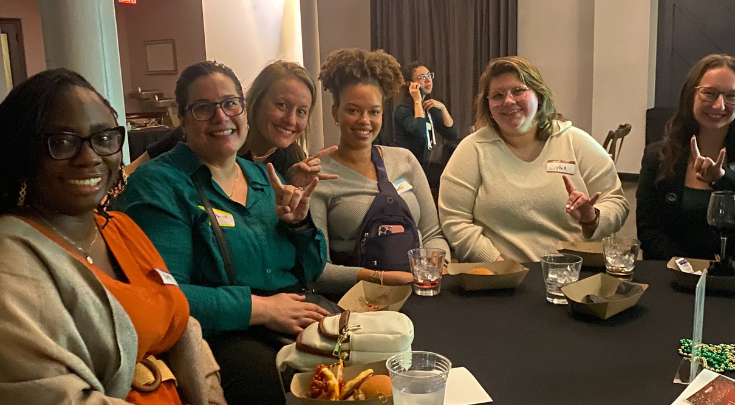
pixel 261 159
pixel 237 176
pixel 71 242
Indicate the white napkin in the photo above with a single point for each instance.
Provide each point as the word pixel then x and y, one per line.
pixel 463 389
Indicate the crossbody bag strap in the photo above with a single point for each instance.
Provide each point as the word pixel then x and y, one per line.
pixel 224 248
pixel 384 184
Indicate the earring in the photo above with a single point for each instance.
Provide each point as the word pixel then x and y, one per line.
pixel 22 194
pixel 336 123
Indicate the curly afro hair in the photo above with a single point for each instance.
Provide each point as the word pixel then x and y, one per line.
pixel 346 67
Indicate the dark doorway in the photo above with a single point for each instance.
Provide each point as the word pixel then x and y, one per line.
pixel 688 30
pixel 12 34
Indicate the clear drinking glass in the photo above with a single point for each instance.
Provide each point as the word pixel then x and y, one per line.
pixel 559 269
pixel 721 217
pixel 620 255
pixel 418 377
pixel 426 266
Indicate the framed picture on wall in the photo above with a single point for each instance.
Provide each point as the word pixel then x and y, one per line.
pixel 161 57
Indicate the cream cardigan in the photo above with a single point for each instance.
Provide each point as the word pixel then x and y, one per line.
pixel 492 203
pixel 63 337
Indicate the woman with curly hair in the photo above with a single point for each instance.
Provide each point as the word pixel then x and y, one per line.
pixel 85 295
pixel 360 82
pixel 527 178
pixel 679 173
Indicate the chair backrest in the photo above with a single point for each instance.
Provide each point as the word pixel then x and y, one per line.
pixel 611 142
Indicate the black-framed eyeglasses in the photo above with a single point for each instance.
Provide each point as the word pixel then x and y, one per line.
pixel 517 93
pixel 425 76
pixel 710 94
pixel 66 145
pixel 205 111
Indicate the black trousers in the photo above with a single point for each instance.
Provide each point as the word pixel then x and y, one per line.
pixel 247 363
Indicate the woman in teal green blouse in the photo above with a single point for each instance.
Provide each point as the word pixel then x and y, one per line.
pixel 275 247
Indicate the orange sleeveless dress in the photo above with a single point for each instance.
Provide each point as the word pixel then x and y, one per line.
pixel 159 312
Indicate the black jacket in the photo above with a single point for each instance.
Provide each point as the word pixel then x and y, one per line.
pixel 410 132
pixel 658 209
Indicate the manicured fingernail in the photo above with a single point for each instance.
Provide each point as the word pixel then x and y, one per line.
pixel 567 206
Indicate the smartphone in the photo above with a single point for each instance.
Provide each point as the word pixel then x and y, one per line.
pixel 389 229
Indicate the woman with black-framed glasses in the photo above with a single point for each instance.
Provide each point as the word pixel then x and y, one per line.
pixel 87 305
pixel 420 117
pixel 679 173
pixel 242 282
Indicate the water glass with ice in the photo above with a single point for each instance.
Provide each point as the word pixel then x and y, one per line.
pixel 620 255
pixel 559 269
pixel 418 378
pixel 426 266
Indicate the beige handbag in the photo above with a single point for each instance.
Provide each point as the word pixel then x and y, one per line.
pixel 356 338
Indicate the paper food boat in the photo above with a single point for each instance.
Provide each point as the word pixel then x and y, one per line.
pixel 506 274
pixel 302 381
pixel 603 285
pixel 370 297
pixel 689 280
pixel 590 252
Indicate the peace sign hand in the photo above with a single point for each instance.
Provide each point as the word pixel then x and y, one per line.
pixel 579 206
pixel 708 171
pixel 302 173
pixel 292 203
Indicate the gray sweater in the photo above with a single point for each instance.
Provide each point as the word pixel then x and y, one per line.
pixel 339 206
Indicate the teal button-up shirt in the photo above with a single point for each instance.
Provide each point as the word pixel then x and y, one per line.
pixel 267 253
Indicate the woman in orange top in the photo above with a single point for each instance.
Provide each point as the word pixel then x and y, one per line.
pixel 108 301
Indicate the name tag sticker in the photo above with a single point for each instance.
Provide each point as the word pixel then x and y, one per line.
pixel 402 186
pixel 224 218
pixel 167 278
pixel 561 166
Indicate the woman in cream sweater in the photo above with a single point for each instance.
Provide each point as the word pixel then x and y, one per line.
pixel 527 178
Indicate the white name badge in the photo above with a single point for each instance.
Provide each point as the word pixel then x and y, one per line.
pixel 402 186
pixel 224 218
pixel 561 166
pixel 167 278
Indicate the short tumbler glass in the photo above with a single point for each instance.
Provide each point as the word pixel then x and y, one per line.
pixel 426 266
pixel 620 255
pixel 418 377
pixel 559 269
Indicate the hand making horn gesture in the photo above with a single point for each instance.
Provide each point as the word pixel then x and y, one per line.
pixel 708 171
pixel 292 203
pixel 304 172
pixel 579 206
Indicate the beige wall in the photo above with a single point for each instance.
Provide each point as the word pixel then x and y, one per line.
pixel 599 59
pixel 27 11
pixel 180 20
pixel 563 51
pixel 342 24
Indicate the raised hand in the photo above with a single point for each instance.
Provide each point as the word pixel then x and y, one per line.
pixel 707 170
pixel 292 203
pixel 304 172
pixel 579 206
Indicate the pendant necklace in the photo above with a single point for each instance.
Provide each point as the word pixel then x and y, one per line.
pixel 237 176
pixel 75 245
pixel 261 159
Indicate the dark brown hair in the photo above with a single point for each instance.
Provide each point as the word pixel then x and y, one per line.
pixel 195 71
pixel 407 71
pixel 527 73
pixel 346 67
pixel 682 126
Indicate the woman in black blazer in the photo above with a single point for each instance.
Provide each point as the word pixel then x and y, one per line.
pixel 679 173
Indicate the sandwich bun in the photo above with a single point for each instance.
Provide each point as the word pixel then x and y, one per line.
pixel 375 386
pixel 481 271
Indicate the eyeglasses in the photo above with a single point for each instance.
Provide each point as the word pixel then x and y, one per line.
pixel 67 145
pixel 205 111
pixel 425 76
pixel 518 93
pixel 711 94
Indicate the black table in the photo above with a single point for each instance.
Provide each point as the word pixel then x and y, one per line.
pixel 524 350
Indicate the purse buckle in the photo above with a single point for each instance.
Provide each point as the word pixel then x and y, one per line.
pixel 343 337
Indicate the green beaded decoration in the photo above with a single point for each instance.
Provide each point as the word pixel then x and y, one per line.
pixel 717 358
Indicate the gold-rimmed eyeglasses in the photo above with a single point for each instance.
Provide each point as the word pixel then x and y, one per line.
pixel 518 93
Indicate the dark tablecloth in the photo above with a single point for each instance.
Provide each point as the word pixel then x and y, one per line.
pixel 524 350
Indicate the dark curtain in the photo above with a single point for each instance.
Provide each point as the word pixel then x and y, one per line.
pixel 456 38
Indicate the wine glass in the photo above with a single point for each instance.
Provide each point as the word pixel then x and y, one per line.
pixel 721 217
